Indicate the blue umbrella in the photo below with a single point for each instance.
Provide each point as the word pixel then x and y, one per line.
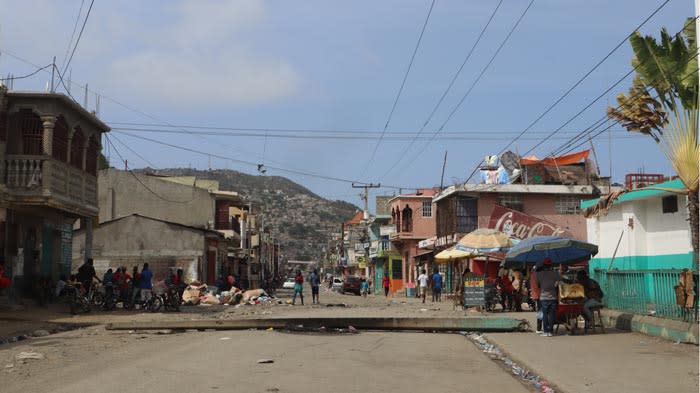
pixel 561 250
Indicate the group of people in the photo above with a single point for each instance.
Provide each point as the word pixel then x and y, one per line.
pixel 435 280
pixel 315 282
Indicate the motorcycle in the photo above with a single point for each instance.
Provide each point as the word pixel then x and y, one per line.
pixel 75 299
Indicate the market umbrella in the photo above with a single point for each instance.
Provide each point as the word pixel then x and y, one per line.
pixel 561 250
pixel 452 253
pixel 483 241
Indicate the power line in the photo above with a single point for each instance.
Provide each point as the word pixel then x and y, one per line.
pixel 577 83
pixel 28 75
pixel 476 81
pixel 77 41
pixel 447 90
pixel 72 35
pixel 639 64
pixel 255 164
pixel 141 181
pixel 134 152
pixel 403 83
pixel 483 135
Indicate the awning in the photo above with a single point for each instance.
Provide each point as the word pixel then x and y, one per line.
pixel 568 159
pixel 424 253
pixel 450 254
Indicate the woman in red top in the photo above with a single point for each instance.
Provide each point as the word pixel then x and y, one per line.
pixel 386 283
pixel 506 289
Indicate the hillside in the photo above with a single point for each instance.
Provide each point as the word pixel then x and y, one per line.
pixel 300 219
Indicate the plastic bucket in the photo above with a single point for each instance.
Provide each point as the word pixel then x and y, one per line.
pixel 410 292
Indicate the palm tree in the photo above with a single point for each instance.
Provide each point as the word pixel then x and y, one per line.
pixel 668 68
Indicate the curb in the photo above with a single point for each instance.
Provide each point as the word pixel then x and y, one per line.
pixel 678 331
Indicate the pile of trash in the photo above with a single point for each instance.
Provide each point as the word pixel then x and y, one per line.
pixel 497 355
pixel 200 294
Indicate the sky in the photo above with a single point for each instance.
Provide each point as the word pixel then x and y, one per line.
pixel 267 76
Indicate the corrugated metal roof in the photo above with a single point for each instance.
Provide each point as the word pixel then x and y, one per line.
pixel 656 190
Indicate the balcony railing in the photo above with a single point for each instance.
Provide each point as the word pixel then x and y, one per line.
pixel 34 177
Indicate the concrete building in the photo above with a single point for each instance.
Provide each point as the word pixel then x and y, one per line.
pixel 519 210
pixel 49 155
pixel 353 259
pixel 186 201
pixel 135 239
pixel 643 229
pixel 413 215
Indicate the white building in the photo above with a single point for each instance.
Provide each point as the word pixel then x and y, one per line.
pixel 650 224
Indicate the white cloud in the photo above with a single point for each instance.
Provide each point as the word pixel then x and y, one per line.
pixel 186 53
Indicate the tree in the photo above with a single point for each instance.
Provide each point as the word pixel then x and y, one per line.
pixel 669 68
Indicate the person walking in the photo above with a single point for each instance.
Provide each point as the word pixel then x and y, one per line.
pixel 315 282
pixel 437 286
pixel 535 296
pixel 364 286
pixel 386 283
pixel 298 288
pixel 547 281
pixel 423 284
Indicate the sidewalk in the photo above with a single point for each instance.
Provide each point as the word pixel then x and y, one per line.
pixel 617 361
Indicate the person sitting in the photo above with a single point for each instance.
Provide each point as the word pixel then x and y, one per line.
pixel 594 295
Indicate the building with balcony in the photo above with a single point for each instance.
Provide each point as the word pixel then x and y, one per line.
pixel 413 216
pixel 49 155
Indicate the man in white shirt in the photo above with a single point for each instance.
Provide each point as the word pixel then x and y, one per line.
pixel 423 281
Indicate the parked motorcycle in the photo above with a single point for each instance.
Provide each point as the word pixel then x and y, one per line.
pixel 75 299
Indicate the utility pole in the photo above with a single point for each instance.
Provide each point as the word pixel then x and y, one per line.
pixel 442 176
pixel 366 196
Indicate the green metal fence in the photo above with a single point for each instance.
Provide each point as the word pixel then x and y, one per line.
pixel 646 292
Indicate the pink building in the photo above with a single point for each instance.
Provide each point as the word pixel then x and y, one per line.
pixel 519 210
pixel 414 218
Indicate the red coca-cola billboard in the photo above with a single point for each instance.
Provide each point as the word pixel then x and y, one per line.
pixel 521 226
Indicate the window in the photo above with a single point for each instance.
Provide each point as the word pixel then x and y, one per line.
pixel 669 204
pixel 567 204
pixel 427 209
pixel 407 219
pixel 60 140
pixel 511 201
pixel 93 153
pixel 76 149
pixel 467 218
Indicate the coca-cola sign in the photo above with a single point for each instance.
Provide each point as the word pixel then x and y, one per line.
pixel 521 226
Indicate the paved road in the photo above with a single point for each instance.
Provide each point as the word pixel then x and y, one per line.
pixel 227 361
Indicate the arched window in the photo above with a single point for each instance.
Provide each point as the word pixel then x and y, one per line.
pixel 60 140
pixel 407 219
pixel 93 151
pixel 29 126
pixel 76 148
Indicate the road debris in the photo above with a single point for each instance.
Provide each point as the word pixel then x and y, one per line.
pixel 497 355
pixel 265 361
pixel 29 355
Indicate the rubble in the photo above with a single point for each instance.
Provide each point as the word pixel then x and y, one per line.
pixel 29 355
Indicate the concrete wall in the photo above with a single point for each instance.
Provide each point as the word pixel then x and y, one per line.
pixel 538 205
pixel 121 194
pixel 135 240
pixel 656 240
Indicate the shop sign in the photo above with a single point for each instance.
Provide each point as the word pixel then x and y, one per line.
pixel 387 230
pixel 427 243
pixel 362 265
pixel 359 247
pixel 373 252
pixel 448 240
pixel 360 259
pixel 521 226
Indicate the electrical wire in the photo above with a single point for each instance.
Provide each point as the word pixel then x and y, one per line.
pixel 476 81
pixel 72 35
pixel 141 181
pixel 80 35
pixel 403 83
pixel 28 75
pixel 447 90
pixel 144 159
pixel 577 83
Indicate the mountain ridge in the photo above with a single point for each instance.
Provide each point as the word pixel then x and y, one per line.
pixel 301 220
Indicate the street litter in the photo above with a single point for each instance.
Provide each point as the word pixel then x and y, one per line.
pixel 265 361
pixel 497 355
pixel 29 355
pixel 225 338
